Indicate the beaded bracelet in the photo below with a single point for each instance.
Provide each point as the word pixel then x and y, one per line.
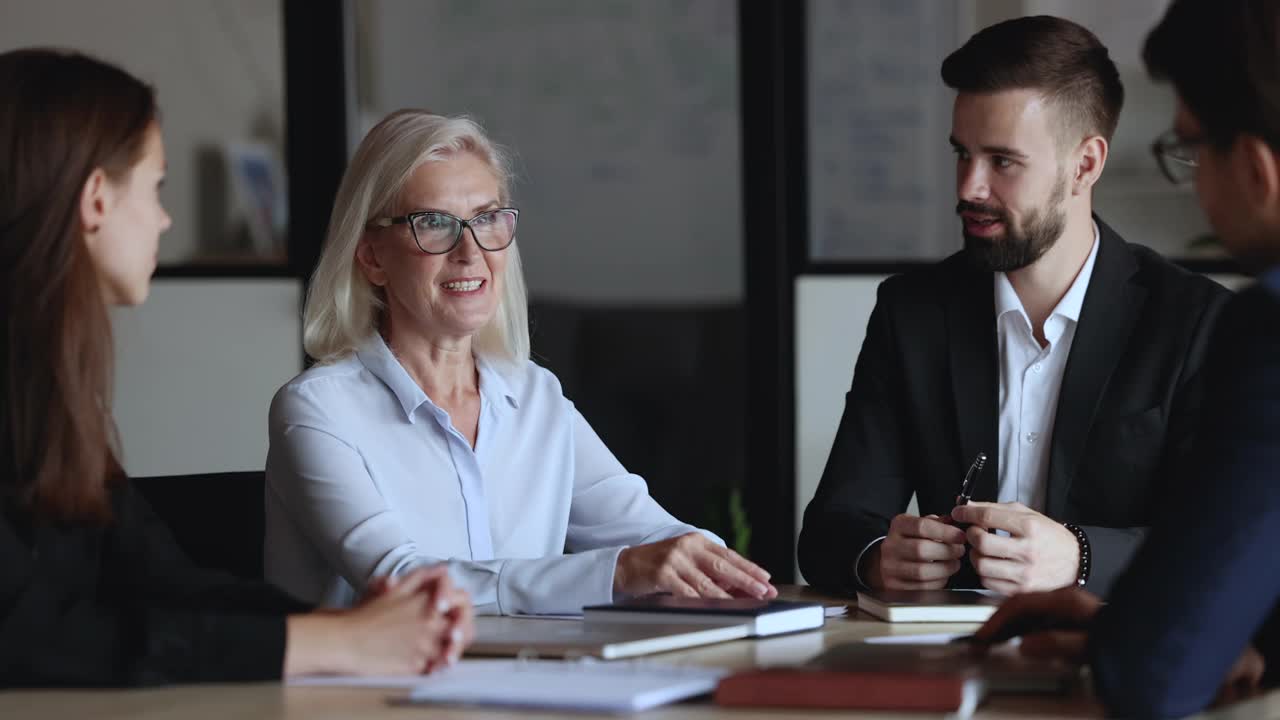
pixel 1082 576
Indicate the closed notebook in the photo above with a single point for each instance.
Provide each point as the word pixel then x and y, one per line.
pixel 927 678
pixel 510 636
pixel 942 606
pixel 890 678
pixel 762 617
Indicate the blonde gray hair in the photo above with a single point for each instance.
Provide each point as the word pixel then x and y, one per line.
pixel 343 307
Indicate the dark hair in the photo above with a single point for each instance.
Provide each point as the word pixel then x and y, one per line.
pixel 1223 57
pixel 64 115
pixel 1060 59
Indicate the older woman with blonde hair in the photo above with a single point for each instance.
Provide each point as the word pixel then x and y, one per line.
pixel 425 434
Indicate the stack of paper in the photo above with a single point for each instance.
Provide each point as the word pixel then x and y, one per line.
pixel 586 685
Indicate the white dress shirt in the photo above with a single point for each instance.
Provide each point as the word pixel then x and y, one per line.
pixel 1030 380
pixel 366 476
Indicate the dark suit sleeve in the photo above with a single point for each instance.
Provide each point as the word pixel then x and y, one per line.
pixel 863 486
pixel 1203 584
pixel 1113 548
pixel 150 617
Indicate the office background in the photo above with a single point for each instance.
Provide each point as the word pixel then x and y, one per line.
pixel 711 192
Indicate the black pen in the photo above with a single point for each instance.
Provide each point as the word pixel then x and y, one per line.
pixel 966 487
pixel 971 477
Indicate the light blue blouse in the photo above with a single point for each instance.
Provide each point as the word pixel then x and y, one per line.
pixel 366 476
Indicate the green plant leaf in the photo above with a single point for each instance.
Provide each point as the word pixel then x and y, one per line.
pixel 738 523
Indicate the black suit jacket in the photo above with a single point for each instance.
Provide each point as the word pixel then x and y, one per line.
pixel 924 403
pixel 122 605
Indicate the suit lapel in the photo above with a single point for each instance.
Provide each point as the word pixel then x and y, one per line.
pixel 971 336
pixel 1111 308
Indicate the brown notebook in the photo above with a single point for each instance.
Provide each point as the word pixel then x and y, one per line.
pixel 934 678
pixel 831 689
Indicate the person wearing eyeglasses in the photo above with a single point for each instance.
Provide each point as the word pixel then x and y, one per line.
pixel 1196 616
pixel 1067 356
pixel 425 434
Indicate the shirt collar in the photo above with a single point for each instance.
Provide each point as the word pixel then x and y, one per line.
pixel 379 360
pixel 1006 297
pixel 1071 303
pixel 494 384
pixel 1068 307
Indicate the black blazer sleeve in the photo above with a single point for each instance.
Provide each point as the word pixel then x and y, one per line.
pixel 863 485
pixel 124 606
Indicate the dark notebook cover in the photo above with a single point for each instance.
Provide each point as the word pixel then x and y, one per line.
pixel 739 607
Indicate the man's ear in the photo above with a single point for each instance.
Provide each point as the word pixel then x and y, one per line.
pixel 367 259
pixel 1257 171
pixel 1091 158
pixel 96 200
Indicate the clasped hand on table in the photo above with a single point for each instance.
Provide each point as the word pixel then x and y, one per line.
pixel 922 553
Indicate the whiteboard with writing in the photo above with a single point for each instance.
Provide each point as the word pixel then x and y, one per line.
pixel 624 118
pixel 881 176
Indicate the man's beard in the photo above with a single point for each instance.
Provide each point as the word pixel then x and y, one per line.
pixel 1016 248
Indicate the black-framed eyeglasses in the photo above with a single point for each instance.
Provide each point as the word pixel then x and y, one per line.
pixel 437 233
pixel 1178 156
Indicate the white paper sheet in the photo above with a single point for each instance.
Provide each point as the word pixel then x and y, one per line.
pixel 584 685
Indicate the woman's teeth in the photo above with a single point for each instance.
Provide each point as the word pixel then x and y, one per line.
pixel 462 285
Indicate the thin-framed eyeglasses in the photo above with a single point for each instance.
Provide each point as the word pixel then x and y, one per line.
pixel 1178 156
pixel 437 233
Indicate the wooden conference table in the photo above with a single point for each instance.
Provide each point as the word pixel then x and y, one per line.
pixel 272 700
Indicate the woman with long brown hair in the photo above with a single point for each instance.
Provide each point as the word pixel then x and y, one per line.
pixel 93 590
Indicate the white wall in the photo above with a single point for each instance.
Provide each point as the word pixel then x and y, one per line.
pixel 831 314
pixel 196 367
